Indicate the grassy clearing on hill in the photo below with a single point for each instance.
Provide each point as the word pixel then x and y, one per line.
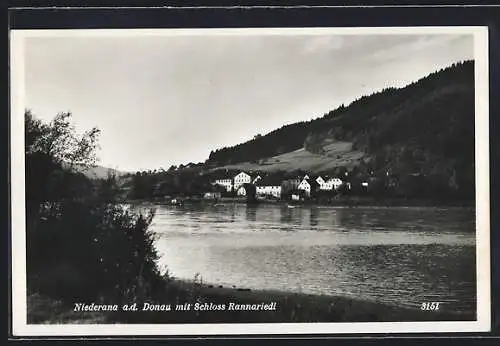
pixel 337 154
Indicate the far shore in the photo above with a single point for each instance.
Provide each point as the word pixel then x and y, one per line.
pixel 289 307
pixel 338 202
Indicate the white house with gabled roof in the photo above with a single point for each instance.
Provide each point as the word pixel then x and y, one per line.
pixel 308 186
pixel 240 179
pixel 320 180
pixel 330 184
pixel 335 182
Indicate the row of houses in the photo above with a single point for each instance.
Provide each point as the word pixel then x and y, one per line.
pixel 274 186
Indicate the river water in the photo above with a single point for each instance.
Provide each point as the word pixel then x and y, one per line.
pixel 398 255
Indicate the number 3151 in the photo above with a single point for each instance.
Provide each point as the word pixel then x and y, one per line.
pixel 430 306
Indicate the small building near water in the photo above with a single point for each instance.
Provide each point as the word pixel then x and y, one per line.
pixel 297 195
pixel 176 201
pixel 212 195
pixel 245 190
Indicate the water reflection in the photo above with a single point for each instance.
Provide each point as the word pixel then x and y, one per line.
pixel 251 213
pixel 395 255
pixel 286 215
pixel 313 217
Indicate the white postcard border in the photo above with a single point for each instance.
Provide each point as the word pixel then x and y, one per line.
pixel 18 236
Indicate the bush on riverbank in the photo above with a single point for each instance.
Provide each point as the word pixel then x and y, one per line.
pixel 81 251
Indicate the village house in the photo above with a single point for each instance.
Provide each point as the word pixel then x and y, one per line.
pixel 320 180
pixel 336 182
pixel 273 186
pixel 223 178
pixel 297 195
pixel 242 191
pixel 309 186
pixel 247 189
pixel 227 183
pixel 240 179
pixel 328 183
pixel 269 186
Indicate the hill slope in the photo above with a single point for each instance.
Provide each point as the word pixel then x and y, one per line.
pixel 334 154
pixel 426 127
pixel 98 172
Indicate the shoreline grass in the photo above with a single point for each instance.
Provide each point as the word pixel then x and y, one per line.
pixel 348 202
pixel 44 310
pixel 290 308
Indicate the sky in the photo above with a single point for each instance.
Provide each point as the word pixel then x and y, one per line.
pixel 170 100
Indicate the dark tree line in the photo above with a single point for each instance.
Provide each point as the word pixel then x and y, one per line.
pixel 188 182
pixel 287 138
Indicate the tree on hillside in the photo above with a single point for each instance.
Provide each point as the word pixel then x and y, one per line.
pixel 314 143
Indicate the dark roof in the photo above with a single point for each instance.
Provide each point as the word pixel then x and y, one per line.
pixel 269 181
pixel 334 177
pixel 312 181
pixel 297 192
pixel 248 187
pixel 215 188
pixel 290 175
pixel 255 175
pixel 224 174
pixel 327 177
pixel 240 171
pixel 311 177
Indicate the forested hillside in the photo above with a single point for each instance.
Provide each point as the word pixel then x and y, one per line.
pixel 424 128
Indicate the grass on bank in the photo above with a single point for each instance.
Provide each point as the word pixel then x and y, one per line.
pixel 290 307
pixel 45 310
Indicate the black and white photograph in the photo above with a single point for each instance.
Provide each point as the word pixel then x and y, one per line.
pixel 220 181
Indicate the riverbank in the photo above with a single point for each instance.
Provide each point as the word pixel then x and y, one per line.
pixel 44 310
pixel 193 302
pixel 335 202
